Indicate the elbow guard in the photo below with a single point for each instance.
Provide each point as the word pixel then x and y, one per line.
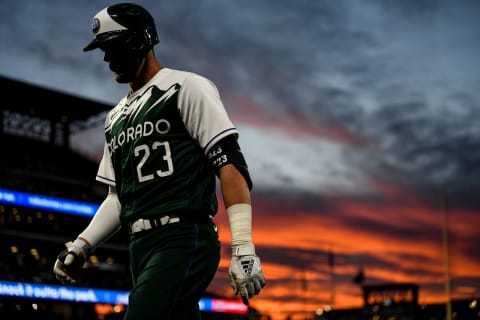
pixel 228 151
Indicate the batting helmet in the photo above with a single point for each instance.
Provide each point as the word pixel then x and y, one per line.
pixel 128 23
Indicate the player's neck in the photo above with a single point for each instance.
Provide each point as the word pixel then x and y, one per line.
pixel 146 71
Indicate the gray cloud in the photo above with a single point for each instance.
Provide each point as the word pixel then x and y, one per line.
pixel 400 74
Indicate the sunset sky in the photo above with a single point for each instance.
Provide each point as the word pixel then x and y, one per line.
pixel 355 118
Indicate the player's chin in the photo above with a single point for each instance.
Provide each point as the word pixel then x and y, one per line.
pixel 121 77
pixel 119 73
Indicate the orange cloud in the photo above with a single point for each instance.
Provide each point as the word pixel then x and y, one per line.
pixel 392 242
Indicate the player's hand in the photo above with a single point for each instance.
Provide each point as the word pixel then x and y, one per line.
pixel 70 262
pixel 246 275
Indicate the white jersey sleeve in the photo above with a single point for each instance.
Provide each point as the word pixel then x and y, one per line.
pixel 203 112
pixel 105 173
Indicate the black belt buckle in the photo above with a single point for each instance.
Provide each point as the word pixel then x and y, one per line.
pixel 155 222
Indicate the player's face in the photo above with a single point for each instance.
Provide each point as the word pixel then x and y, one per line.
pixel 121 61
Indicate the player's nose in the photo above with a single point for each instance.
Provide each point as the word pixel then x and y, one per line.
pixel 106 56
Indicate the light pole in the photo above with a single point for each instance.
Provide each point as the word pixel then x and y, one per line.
pixel 445 253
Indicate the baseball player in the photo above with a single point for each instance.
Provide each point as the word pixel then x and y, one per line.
pixel 166 143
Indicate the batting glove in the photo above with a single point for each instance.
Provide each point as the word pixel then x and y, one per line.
pixel 70 261
pixel 246 275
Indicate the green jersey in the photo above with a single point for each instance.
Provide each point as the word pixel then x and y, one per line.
pixel 156 141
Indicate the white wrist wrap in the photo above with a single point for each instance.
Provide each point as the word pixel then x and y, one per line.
pixel 243 250
pixel 240 219
pixel 82 244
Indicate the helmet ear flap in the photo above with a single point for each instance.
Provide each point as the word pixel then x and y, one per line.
pixel 139 43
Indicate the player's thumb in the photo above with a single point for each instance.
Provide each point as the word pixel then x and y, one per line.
pixel 234 286
pixel 69 258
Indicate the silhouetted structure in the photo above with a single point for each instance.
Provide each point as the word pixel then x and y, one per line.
pixel 399 301
pixel 390 300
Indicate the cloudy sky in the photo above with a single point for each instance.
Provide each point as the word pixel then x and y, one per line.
pixel 354 116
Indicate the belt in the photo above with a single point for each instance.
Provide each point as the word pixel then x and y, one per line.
pixel 144 224
pixel 150 223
